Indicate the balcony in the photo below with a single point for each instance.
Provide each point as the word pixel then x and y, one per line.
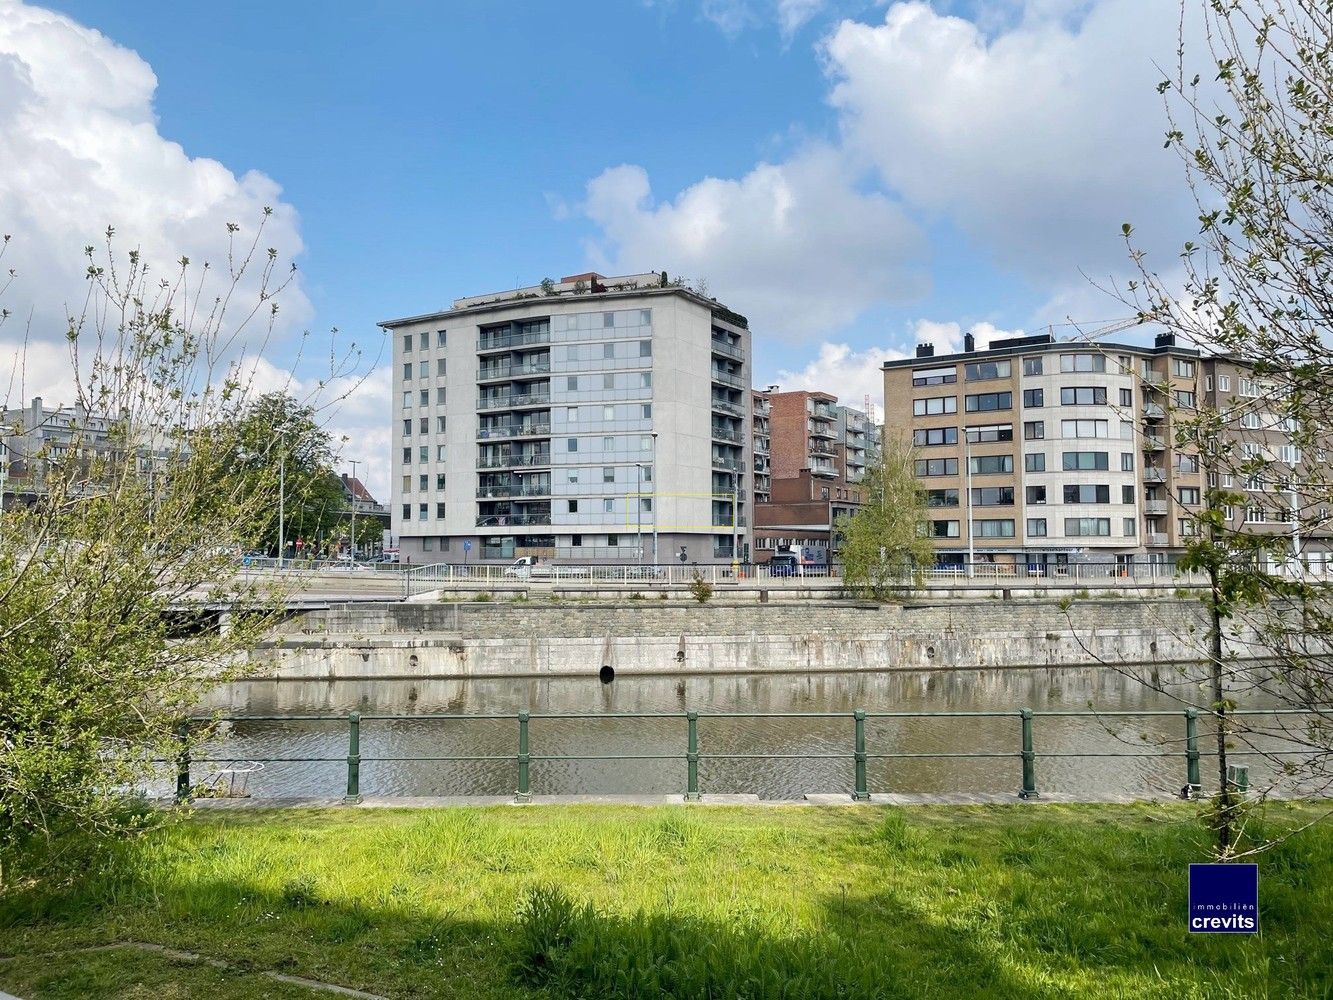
pixel 822 469
pixel 518 490
pixel 726 434
pixel 820 448
pixel 508 370
pixel 1157 506
pixel 824 411
pixel 532 460
pixel 511 520
pixel 732 464
pixel 1156 539
pixel 1152 442
pixel 728 378
pixel 514 400
pixel 1153 411
pixel 505 341
pixel 1153 474
pixel 726 350
pixel 722 406
pixel 821 429
pixel 530 429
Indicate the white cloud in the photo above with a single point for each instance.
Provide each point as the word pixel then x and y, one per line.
pixel 793 15
pixel 81 151
pixel 732 17
pixel 1037 141
pixel 796 245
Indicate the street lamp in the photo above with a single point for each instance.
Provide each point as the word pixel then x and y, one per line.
pixel 638 513
pixel 653 480
pixel 352 487
pixel 971 553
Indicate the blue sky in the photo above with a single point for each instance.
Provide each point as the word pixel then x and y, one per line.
pixel 852 176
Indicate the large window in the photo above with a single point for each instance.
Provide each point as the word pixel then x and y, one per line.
pixel 1087 493
pixel 986 401
pixel 942 498
pixel 926 467
pixel 990 465
pixel 995 528
pixel 982 370
pixel 934 405
pixel 1034 430
pixel 1189 495
pixel 1034 462
pixel 1083 362
pixel 1076 527
pixel 993 496
pixel 1085 461
pixel 1034 397
pixel 990 432
pixel 1083 395
pixel 1036 527
pixel 929 436
pixel 935 376
pixel 944 529
pixel 1183 368
pixel 1032 366
pixel 1085 428
pixel 1036 494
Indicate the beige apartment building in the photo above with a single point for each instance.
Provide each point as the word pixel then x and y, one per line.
pixel 1044 452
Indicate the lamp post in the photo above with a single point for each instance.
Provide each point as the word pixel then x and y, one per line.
pixel 638 511
pixel 971 553
pixel 653 480
pixel 352 487
pixel 735 527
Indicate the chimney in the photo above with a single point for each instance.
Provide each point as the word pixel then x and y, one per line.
pixel 35 413
pixel 925 350
pixel 969 343
pixel 1166 340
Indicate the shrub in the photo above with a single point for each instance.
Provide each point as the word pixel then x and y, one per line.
pixel 701 588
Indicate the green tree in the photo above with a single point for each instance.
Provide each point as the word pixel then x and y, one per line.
pixel 884 544
pixel 106 576
pixel 1249 105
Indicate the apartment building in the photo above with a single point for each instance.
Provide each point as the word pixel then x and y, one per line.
pixel 819 451
pixel 760 412
pixel 591 419
pixel 1041 452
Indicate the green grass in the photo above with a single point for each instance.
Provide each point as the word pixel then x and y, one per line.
pixel 582 901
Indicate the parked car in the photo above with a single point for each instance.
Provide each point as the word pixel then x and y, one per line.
pixel 785 564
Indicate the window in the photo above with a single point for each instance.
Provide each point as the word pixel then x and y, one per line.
pixel 439 425
pixel 407 427
pixel 612 541
pixel 1126 430
pixel 1127 494
pixel 1085 461
pixel 1036 494
pixel 926 467
pixel 982 370
pixel 407 400
pixel 421 511
pixel 1208 383
pixel 1085 428
pixel 1034 397
pixel 1127 397
pixel 1076 527
pixel 1254 515
pixel 1083 395
pixel 407 456
pixel 935 376
pixel 995 528
pixel 645 504
pixel 439 480
pixel 1126 461
pixel 608 444
pixel 1188 527
pixel 645 348
pixel 439 511
pixel 608 474
pixel 944 529
pixel 1289 454
pixel 1182 367
pixel 572 383
pixel 1224 383
pixel 985 433
pixel 1034 462
pixel 1130 527
pixel 1036 527
pixel 989 465
pixel 407 371
pixel 571 444
pixel 1250 420
pixel 407 512
pixel 407 484
pixel 1032 366
pixel 647 411
pixel 927 437
pixel 407 343
pixel 1184 399
pixel 424 426
pixel 1086 493
pixel 440 453
pixel 1189 495
pixel 440 367
pixel 1187 463
pixel 941 498
pixel 608 319
pixel 439 397
pixel 1082 362
pixel 608 413
pixel 608 350
pixel 1034 430
pixel 575 539
pixel 440 338
pixel 985 401
pixel 573 506
pixel 934 405
pixel 993 496
pixel 608 381
pixel 422 480
pixel 645 380
pixel 428 545
pixel 608 505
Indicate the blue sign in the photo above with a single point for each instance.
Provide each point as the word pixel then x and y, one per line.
pixel 1224 899
pixel 467 545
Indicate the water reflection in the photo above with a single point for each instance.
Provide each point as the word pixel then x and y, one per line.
pixel 789 755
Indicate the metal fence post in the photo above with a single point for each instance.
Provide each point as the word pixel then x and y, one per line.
pixel 523 759
pixel 692 758
pixel 1192 784
pixel 353 758
pixel 861 794
pixel 1029 789
pixel 183 763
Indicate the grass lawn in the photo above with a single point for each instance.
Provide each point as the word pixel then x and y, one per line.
pixel 1018 901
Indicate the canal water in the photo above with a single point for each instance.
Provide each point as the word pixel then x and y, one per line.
pixel 778 758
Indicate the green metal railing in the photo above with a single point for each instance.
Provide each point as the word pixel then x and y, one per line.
pixel 858 755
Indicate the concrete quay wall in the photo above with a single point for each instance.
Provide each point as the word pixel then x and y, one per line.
pixel 564 639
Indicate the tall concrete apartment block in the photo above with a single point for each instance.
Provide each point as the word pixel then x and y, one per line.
pixel 818 455
pixel 594 419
